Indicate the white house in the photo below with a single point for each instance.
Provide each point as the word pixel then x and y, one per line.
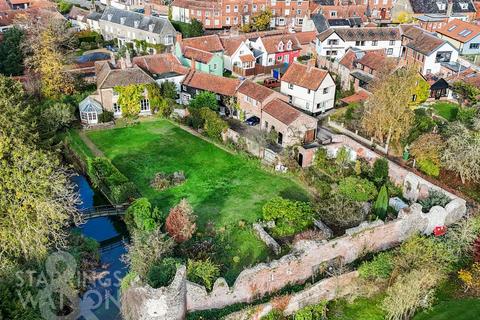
pixel 464 36
pixel 237 53
pixel 335 42
pixel 308 88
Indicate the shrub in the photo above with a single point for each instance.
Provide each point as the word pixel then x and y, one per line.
pixel 162 273
pixel 428 167
pixel 428 147
pixel 106 116
pixel 315 312
pixel 203 272
pixel 467 115
pixel 180 223
pixel 380 267
pixel 204 99
pixel 435 198
pixel 213 124
pixel 289 216
pixel 123 192
pixel 381 204
pixel 273 315
pixel 340 211
pixel 380 172
pixel 163 181
pixel 357 189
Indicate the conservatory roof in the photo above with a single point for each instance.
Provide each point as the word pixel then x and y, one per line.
pixel 90 105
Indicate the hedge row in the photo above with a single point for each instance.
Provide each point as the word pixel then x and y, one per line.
pixel 106 177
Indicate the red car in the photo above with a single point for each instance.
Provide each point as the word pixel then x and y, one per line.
pixel 271 83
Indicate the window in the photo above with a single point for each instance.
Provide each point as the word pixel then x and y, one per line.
pixel 392 42
pixel 464 5
pixel 270 60
pixel 290 86
pixel 214 66
pixel 280 46
pixel 199 13
pixel 474 45
pixel 227 20
pixel 266 124
pixel 452 28
pixel 168 39
pixel 375 2
pixel 414 98
pixel 287 12
pixel 308 91
pixel 144 105
pixel 333 42
pixel 385 1
pixel 443 56
pixel 254 8
pixel 429 71
pixel 441 6
pixel 279 58
pixel 374 43
pixel 263 7
pixel 245 8
pixel 359 43
pixel 184 88
pixel 217 13
pixel 333 13
pixel 227 8
pixel 289 45
pixel 325 90
pixel 465 32
pixel 299 11
pixel 235 8
pixel 389 51
pixel 235 20
pixel 299 3
pixel 274 3
pixel 331 52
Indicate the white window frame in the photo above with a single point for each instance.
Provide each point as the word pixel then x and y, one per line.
pixel 145 105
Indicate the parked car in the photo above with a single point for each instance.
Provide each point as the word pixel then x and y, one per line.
pixel 271 83
pixel 111 48
pixel 252 121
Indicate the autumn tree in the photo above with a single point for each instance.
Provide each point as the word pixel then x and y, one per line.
pixel 180 223
pixel 462 152
pixel 427 150
pixel 47 40
pixel 387 116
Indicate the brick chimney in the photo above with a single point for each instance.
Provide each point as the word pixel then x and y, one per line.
pixel 449 8
pixel 148 10
pixel 310 64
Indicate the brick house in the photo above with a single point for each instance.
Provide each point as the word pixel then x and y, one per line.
pixel 424 49
pixel 366 9
pixel 252 97
pixel 308 88
pixel 291 125
pixel 216 14
pixel 201 53
pixel 110 76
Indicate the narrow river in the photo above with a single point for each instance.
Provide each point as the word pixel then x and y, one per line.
pixel 111 233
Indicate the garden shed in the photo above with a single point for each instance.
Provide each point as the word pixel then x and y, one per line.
pixel 90 109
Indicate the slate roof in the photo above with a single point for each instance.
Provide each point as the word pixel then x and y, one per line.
pixel 460 30
pixel 304 76
pixel 339 22
pixel 212 83
pixel 109 77
pixel 363 34
pixel 159 23
pixel 422 41
pixel 255 90
pixel 282 111
pixel 94 16
pixel 320 22
pixel 362 75
pixel 432 6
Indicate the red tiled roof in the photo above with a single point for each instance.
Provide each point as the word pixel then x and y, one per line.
pixel 210 43
pixel 282 111
pixel 271 42
pixel 212 83
pixel 460 30
pixel 305 37
pixel 348 58
pixel 356 97
pixel 197 55
pixel 375 60
pixel 255 90
pixel 304 76
pixel 469 76
pixel 247 58
pixel 231 44
pixel 421 40
pixel 160 63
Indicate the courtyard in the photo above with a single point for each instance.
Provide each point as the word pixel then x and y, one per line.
pixel 227 191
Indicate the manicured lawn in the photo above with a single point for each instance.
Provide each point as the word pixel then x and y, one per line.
pixel 446 110
pixel 223 188
pixel 76 143
pixel 458 309
pixel 359 309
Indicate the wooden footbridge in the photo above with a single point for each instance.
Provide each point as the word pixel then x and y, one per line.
pixel 103 211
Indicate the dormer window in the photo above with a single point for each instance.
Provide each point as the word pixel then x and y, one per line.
pixel 463 5
pixel 441 6
pixel 289 45
pixel 109 17
pixel 122 20
pixel 280 46
pixel 136 23
pixel 150 27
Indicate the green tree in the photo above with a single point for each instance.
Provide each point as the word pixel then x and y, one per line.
pixel 357 189
pixel 169 90
pixel 465 92
pixel 204 99
pixel 289 216
pixel 11 55
pixel 145 217
pixel 213 125
pixel 340 211
pixel 262 21
pixel 195 29
pixel 380 172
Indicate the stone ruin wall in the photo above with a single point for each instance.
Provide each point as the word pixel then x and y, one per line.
pixel 308 256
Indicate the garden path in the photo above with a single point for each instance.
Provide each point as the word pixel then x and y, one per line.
pixel 97 152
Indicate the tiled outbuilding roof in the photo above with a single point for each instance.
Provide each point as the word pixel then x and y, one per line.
pixel 212 83
pixel 282 111
pixel 157 64
pixel 255 90
pixel 209 43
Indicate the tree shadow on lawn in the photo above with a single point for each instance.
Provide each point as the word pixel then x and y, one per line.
pixel 295 194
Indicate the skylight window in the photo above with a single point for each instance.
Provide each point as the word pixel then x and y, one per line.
pixel 465 33
pixel 452 28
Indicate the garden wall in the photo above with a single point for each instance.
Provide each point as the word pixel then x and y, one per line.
pixel 309 257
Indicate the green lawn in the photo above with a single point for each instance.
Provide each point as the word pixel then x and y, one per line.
pixel 446 110
pixel 76 143
pixel 360 309
pixel 223 188
pixel 458 309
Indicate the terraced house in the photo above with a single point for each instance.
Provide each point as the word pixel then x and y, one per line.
pixel 127 26
pixel 204 54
